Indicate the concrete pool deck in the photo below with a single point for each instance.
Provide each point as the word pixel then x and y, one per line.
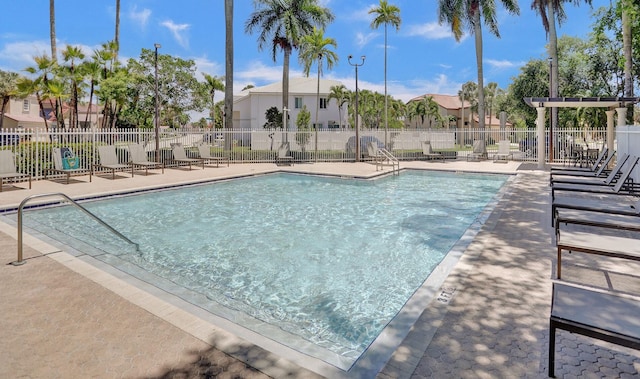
pixel 62 317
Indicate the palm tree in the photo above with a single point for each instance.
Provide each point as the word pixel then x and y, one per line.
pixel 628 8
pixel 26 87
pixel 48 85
pixel 432 110
pixel 213 84
pixel 490 96
pixel 282 24
pixel 52 29
pixel 8 89
pixel 71 54
pixel 228 75
pixel 457 13
pixel 117 36
pixel 341 94
pixel 315 47
pixel 91 70
pixel 385 14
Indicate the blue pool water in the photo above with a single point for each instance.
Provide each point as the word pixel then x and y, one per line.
pixel 330 261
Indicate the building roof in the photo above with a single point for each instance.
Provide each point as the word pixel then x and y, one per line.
pixel 451 102
pixel 24 118
pixel 297 86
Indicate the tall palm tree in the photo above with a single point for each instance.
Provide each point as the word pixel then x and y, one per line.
pixel 8 89
pixel 213 84
pixel 341 94
pixel 92 71
pixel 27 87
pixel 388 15
pixel 70 55
pixel 282 24
pixel 490 96
pixel 458 13
pixel 228 75
pixel 52 29
pixel 117 36
pixel 316 47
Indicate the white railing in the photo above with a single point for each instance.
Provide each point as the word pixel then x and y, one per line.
pixel 32 147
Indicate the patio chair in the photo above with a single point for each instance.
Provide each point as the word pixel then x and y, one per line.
pixel 599 171
pixel 109 161
pixel 205 153
pixel 180 156
pixel 601 189
pixel 138 159
pixel 283 157
pixel 61 154
pixel 428 153
pixel 8 169
pixel 479 151
pixel 591 169
pixel 504 152
pixel 611 178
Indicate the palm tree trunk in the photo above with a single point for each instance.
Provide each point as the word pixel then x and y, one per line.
pixel 285 81
pixel 117 36
pixel 478 35
pixel 628 57
pixel 228 82
pixel 52 29
pixel 386 120
pixel 317 108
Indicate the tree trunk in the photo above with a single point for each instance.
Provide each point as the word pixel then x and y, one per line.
pixel 478 35
pixel 554 92
pixel 117 36
pixel 228 85
pixel 628 57
pixel 52 29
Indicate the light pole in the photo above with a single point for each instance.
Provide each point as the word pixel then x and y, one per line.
pixel 157 128
pixel 551 110
pixel 356 65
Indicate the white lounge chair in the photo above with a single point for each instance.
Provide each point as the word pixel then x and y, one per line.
pixel 504 152
pixel 205 153
pixel 8 169
pixel 109 161
pixel 138 159
pixel 180 156
pixel 428 152
pixel 283 157
pixel 612 177
pixel 58 167
pixel 479 151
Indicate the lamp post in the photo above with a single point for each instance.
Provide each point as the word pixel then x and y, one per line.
pixel 356 65
pixel 157 128
pixel 551 109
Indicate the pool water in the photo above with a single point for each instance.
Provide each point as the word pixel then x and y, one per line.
pixel 328 261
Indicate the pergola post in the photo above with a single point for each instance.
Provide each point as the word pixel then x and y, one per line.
pixel 541 137
pixel 610 131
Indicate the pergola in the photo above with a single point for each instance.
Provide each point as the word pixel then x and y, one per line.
pixel 614 104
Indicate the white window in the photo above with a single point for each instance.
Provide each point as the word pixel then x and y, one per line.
pixel 323 102
pixel 25 105
pixel 298 102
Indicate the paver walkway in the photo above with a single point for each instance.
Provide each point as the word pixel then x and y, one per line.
pixel 490 322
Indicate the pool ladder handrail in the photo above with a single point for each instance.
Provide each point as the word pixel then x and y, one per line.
pixel 395 163
pixel 21 261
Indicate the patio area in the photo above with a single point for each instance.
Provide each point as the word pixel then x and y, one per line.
pixel 63 317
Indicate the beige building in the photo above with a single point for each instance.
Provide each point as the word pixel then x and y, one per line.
pixel 450 105
pixel 25 113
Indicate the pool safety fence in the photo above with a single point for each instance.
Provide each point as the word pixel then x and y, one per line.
pixel 33 147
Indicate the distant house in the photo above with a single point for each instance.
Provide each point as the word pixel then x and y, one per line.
pixel 450 105
pixel 251 104
pixel 25 113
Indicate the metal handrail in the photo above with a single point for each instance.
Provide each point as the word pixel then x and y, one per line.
pixel 20 261
pixel 391 158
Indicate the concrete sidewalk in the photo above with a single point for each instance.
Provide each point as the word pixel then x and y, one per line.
pixel 61 317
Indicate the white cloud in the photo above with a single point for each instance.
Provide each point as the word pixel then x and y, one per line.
pixel 363 39
pixel 140 17
pixel 178 31
pixel 504 64
pixel 430 30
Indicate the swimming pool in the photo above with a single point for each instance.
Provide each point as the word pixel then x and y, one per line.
pixel 326 263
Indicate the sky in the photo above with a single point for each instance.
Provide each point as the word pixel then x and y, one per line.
pixel 422 56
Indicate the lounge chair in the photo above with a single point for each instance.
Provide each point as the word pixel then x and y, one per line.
pixel 599 171
pixel 591 169
pixel 581 207
pixel 429 153
pixel 180 156
pixel 138 159
pixel 8 169
pixel 611 178
pixel 595 313
pixel 479 151
pixel 504 151
pixel 205 153
pixel 60 153
pixel 283 157
pixel 601 189
pixel 593 239
pixel 109 161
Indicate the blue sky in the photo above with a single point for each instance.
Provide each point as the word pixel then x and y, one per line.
pixel 423 57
